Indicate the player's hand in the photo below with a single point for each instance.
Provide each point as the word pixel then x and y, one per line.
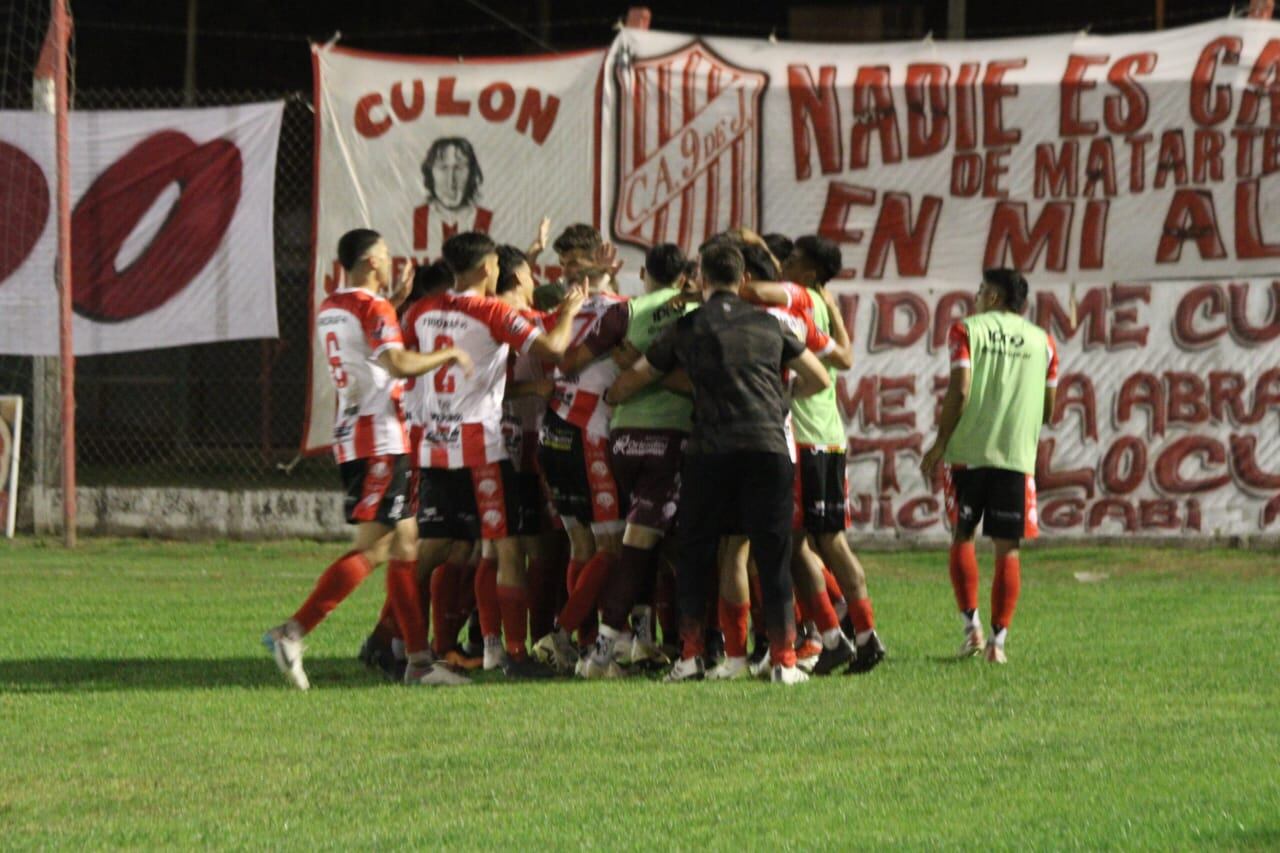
pixel 464 362
pixel 540 242
pixel 404 286
pixel 929 464
pixel 573 299
pixel 607 257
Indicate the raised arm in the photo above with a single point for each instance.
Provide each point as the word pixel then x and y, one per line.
pixel 405 364
pixel 551 346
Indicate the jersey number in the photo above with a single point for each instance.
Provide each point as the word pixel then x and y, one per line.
pixel 444 383
pixel 334 353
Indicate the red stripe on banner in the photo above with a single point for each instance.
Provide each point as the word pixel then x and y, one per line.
pixel 364 437
pixel 664 103
pixel 491 500
pixel 596 149
pixel 713 84
pixel 735 185
pixel 710 224
pixel 473 445
pixel 639 107
pixel 484 218
pixel 686 218
pixel 690 97
pixel 513 59
pixel 309 449
pixel 689 107
pixel 421 220
pixel 584 404
pixel 660 224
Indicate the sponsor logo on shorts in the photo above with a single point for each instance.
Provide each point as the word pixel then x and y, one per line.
pixel 492 518
pixel 669 509
pixel 605 499
pixel 488 487
pixel 627 445
pixel 380 469
pixel 599 469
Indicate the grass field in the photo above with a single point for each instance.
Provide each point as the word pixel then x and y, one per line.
pixel 137 708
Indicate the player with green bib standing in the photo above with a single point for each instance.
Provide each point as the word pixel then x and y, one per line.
pixel 1004 375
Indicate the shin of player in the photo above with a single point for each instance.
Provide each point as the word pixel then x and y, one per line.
pixel 357 329
pixel 1004 373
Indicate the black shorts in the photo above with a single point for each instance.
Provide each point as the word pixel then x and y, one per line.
pixel 576 466
pixel 1005 502
pixel 646 466
pixel 822 491
pixel 377 489
pixel 469 503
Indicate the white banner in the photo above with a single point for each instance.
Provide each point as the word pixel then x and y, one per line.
pixel 1072 157
pixel 10 453
pixel 420 148
pixel 1168 407
pixel 171 228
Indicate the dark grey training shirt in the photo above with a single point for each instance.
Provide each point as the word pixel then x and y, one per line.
pixel 734 354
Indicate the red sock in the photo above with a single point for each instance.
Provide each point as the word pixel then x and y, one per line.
pixel 782 649
pixel 757 607
pixel 514 603
pixel 486 585
pixel 733 624
pixel 821 612
pixel 571 573
pixel 583 596
pixel 388 628
pixel 964 575
pixel 336 583
pixel 834 592
pixel 1004 590
pixel 402 590
pixel 864 618
pixel 444 583
pixel 692 638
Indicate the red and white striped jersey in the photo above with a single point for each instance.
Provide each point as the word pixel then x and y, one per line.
pixel 579 398
pixel 354 327
pixel 457 420
pixel 522 416
pixel 797 317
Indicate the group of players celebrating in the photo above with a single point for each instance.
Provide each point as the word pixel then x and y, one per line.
pixel 517 454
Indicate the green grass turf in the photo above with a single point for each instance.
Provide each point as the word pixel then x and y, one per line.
pixel 137 708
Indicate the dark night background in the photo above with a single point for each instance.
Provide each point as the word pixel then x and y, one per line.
pixel 262 45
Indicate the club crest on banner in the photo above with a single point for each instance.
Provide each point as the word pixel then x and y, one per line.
pixel 688 146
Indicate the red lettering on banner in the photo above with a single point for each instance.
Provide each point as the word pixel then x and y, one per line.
pixel 1266 394
pixel 1100 168
pixel 1226 394
pixel 1093 236
pixel 895 391
pixel 1172 159
pixel 1242 330
pixel 910 516
pixel 536 117
pixel 861 403
pixel 1210 104
pixel 841 198
pixel 1191 216
pixel 1270 151
pixel 928 124
pixel 912 245
pixel 967 106
pixel 994 91
pixel 849 310
pixel 1049 480
pixel 873 111
pixel 1244 465
pixel 814 108
pixel 1010 236
pixel 1073 83
pixel 24 196
pixel 952 306
pixel 1158 514
pixel 1063 513
pixel 1090 314
pixel 1205 301
pixel 940 384
pixel 1168 474
pixel 1126 111
pixel 1270 511
pixel 1138 162
pixel 1056 177
pixel 1186 398
pixel 1123 334
pixel 994 170
pixel 1249 240
pixel 1124 465
pixel 966 175
pixel 887 450
pixel 1244 137
pixel 411 110
pixel 1206 162
pixel 1076 389
pixel 1145 390
pixel 366 124
pixel 1119 510
pixel 1264 80
pixel 505 102
pixel 446 103
pixel 884 330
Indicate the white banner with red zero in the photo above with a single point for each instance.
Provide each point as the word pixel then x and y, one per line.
pixel 1167 418
pixel 422 148
pixel 1072 157
pixel 171 228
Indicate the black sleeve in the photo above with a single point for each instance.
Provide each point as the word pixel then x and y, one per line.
pixel 662 352
pixel 792 347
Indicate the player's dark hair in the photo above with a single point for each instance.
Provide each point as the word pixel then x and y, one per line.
pixel 578 237
pixel 509 260
pixel 759 264
pixel 1011 284
pixel 664 263
pixel 430 279
pixel 722 266
pixel 353 245
pixel 724 238
pixel 779 244
pixel 823 254
pixel 465 251
pixel 474 176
